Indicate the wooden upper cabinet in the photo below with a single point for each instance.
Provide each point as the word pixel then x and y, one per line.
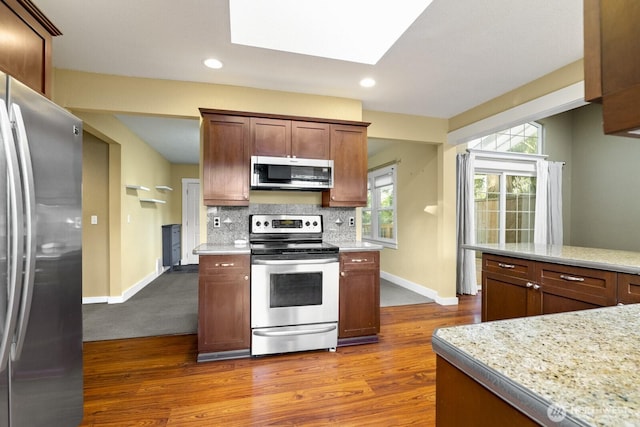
pixel 26 43
pixel 226 160
pixel 349 155
pixel 270 137
pixel 310 140
pixel 289 138
pixel 612 63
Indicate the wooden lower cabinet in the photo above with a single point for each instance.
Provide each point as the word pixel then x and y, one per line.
pixel 224 331
pixel 359 318
pixel 513 287
pixel 461 401
pixel 628 288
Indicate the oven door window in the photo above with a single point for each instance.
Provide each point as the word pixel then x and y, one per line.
pixel 295 289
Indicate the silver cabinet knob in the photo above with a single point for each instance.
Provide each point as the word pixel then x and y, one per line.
pixel 536 287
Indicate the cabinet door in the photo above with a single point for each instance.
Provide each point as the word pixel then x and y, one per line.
pixel 628 288
pixel 559 304
pixel 26 45
pixel 359 294
pixel 270 137
pixel 508 288
pixel 310 140
pixel 223 303
pixel 505 297
pixel 349 155
pixel 226 160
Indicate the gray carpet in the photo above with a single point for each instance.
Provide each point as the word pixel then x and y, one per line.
pixel 169 306
pixel 166 306
pixel 392 295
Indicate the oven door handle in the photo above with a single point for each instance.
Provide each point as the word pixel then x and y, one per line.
pixel 296 332
pixel 294 261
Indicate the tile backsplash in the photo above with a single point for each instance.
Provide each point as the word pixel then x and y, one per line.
pixel 234 221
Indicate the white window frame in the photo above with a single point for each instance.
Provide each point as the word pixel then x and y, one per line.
pixel 503 164
pixel 372 176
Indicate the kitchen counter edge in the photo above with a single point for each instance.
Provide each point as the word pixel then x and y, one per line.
pixel 602 259
pixel 217 249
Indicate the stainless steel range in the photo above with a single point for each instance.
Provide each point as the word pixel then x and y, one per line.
pixel 294 285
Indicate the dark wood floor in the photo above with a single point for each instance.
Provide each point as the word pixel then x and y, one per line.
pixel 156 381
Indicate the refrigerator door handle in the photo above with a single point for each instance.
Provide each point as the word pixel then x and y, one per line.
pixel 26 173
pixel 16 236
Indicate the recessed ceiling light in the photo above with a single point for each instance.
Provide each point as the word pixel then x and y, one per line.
pixel 368 82
pixel 213 63
pixel 356 30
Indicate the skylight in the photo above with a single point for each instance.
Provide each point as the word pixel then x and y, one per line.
pixel 349 30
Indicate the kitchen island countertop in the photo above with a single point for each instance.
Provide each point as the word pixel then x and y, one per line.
pixel 603 259
pixel 576 368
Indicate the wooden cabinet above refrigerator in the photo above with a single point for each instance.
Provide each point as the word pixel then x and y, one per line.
pixel 612 63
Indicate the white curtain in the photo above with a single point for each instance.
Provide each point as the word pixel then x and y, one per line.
pixel 466 281
pixel 548 223
pixel 554 212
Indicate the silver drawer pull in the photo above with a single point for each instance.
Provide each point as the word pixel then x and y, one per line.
pixel 225 264
pixel 359 260
pixel 572 278
pixel 502 265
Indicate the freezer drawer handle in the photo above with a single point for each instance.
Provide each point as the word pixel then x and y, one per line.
pixel 572 278
pixel 294 333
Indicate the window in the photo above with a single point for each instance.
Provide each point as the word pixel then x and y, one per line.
pixel 505 184
pixel 525 138
pixel 504 207
pixel 379 217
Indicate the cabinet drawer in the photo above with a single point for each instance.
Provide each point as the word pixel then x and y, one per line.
pixel 513 267
pixel 628 288
pixel 211 265
pixel 360 260
pixel 584 284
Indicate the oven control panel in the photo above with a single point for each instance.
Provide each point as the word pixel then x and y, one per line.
pixel 285 224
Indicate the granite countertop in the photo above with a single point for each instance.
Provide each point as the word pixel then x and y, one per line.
pixel 576 368
pixel 218 249
pixel 604 259
pixel 221 249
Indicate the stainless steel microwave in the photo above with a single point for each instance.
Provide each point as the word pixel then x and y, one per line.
pixel 290 173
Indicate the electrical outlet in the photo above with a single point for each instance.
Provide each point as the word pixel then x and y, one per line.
pixel 352 221
pixel 216 222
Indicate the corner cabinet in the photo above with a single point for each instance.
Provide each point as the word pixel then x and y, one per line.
pixel 349 155
pixel 224 331
pixel 26 44
pixel 359 312
pixel 226 160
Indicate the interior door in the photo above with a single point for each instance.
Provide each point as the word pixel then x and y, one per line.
pixel 190 220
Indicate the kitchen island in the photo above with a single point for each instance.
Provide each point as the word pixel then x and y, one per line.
pixel 575 369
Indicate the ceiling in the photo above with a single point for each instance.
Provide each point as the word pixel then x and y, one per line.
pixel 456 55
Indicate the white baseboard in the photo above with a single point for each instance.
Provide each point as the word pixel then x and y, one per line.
pixel 137 287
pixel 94 300
pixel 419 289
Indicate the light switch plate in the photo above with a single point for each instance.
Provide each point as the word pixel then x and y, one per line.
pixel 94 219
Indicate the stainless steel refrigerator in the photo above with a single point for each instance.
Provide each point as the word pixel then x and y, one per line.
pixel 40 260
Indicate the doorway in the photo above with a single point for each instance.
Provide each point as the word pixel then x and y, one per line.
pixel 190 219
